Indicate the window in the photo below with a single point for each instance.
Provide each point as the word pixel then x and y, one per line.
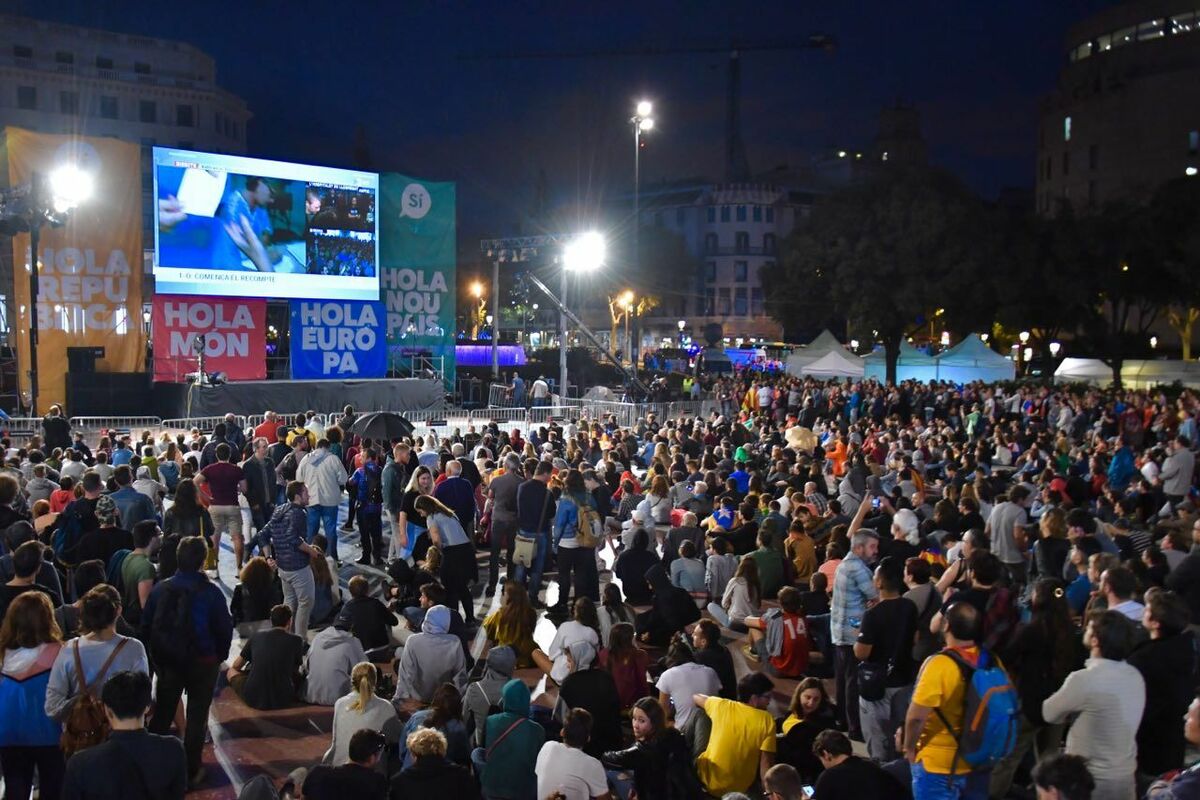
pixel 758 213
pixel 756 301
pixel 724 213
pixel 741 213
pixel 185 116
pixel 1193 142
pixel 148 111
pixel 62 57
pixel 710 302
pixel 740 271
pixel 141 68
pixel 770 213
pixel 723 301
pixel 739 302
pixel 710 243
pixel 1066 129
pixel 741 241
pixel 68 102
pixel 27 97
pixel 1066 164
pixel 679 215
pixel 1094 157
pixel 768 243
pixel 108 107
pixel 103 62
pixel 710 271
pixel 22 51
pixel 712 214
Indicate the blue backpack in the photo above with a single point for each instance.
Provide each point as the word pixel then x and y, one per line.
pixel 991 712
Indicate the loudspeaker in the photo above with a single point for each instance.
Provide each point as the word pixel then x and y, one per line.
pixel 83 359
pixel 108 394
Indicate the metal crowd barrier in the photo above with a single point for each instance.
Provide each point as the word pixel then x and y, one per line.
pixel 115 423
pixel 22 426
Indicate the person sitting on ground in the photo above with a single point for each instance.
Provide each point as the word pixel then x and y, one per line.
pixel 741 746
pixel 1185 784
pixel 779 638
pixel 259 591
pixel 808 714
pixel 719 568
pixel 687 571
pixel 659 758
pixel 131 755
pixel 632 564
pixel 431 774
pixel 360 777
pixel 360 709
pixel 485 688
pixel 613 609
pixel 847 775
pixel 682 679
pixel 429 658
pixel 627 663
pixel 741 599
pixel 770 566
pixel 1064 777
pixel 566 766
pixel 513 623
pixel 593 689
pixel 505 762
pixel 330 660
pixel 267 671
pixel 672 611
pixel 443 714
pixel 584 626
pixel 370 620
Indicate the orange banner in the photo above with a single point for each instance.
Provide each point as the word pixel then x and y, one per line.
pixel 90 281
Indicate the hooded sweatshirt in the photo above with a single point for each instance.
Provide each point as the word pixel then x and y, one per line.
pixel 331 657
pixel 323 474
pixel 429 658
pixel 486 692
pixel 509 772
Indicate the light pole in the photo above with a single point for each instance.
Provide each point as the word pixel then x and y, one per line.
pixel 477 312
pixel 584 253
pixel 50 200
pixel 496 315
pixel 1022 350
pixel 682 324
pixel 642 122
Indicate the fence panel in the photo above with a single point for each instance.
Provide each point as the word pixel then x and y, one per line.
pixel 115 423
pixel 205 424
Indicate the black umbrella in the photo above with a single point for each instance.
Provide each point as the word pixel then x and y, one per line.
pixel 382 425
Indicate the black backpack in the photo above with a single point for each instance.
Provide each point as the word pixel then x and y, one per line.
pixel 374 486
pixel 289 467
pixel 172 630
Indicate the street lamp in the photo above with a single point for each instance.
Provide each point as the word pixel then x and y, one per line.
pixel 585 253
pixel 50 199
pixel 642 123
pixel 854 346
pixel 1055 348
pixel 1022 350
pixel 1153 342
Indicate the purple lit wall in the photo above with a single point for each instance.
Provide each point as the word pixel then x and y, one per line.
pixel 480 355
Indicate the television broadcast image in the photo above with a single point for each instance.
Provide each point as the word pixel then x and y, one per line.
pixel 234 226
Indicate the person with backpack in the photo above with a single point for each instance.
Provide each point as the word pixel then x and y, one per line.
pixel 963 716
pixel 189 630
pixel 1108 696
pixel 366 485
pixel 78 518
pixel 132 764
pixel 576 532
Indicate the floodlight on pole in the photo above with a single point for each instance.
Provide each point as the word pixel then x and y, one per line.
pixel 646 124
pixel 476 289
pixel 1023 336
pixel 644 108
pixel 1055 349
pixel 585 253
pixel 69 186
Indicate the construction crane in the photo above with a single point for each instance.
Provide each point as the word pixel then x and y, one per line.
pixel 737 166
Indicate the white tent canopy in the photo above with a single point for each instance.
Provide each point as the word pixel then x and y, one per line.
pixel 972 360
pixel 912 365
pixel 1139 374
pixel 1083 370
pixel 825 357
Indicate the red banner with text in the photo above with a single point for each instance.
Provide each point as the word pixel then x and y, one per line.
pixel 235 337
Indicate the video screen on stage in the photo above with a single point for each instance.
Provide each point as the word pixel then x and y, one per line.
pixel 246 227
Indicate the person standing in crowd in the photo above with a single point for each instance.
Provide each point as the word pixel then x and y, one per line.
pixel 283 536
pixel 535 515
pixel 324 476
pixel 262 487
pixel 189 629
pixel 366 484
pixel 1177 471
pixel 1108 697
pixel 571 537
pixel 1167 662
pixel 458 554
pixel 394 481
pixel 1006 531
pixel 853 590
pixel 226 481
pixel 130 756
pixel 502 505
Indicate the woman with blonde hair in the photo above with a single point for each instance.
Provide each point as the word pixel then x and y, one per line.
pixel 410 537
pixel 1051 549
pixel 360 709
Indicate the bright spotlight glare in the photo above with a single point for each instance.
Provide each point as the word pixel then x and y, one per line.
pixel 69 186
pixel 646 124
pixel 585 252
pixel 644 108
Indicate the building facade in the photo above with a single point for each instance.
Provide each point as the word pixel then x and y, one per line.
pixel 1125 116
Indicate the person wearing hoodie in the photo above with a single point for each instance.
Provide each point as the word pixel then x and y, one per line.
pixel 366 486
pixel 429 658
pixel 322 472
pixel 1167 661
pixel 672 610
pixel 147 485
pixel 40 486
pixel 331 658
pixel 487 691
pixel 593 689
pixel 512 741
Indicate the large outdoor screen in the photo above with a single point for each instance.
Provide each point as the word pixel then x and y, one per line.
pixel 246 227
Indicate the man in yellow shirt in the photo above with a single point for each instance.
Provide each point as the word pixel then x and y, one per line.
pixel 930 747
pixel 741 747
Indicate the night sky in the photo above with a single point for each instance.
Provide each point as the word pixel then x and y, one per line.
pixel 314 72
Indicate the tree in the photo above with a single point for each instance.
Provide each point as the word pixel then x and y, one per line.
pixel 885 253
pixel 1175 236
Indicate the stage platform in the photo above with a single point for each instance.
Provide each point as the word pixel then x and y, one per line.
pixel 174 400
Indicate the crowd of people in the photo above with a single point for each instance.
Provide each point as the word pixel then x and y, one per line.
pixel 819 589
